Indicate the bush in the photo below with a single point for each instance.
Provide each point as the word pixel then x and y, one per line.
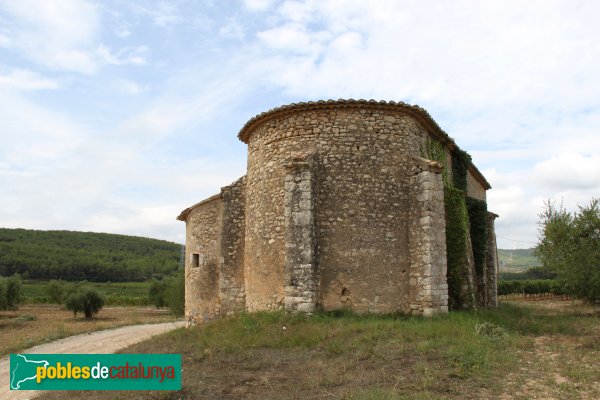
pixel 86 300
pixel 157 293
pixel 570 247
pixel 175 294
pixel 531 286
pixel 10 292
pixel 3 302
pixel 491 330
pixel 55 291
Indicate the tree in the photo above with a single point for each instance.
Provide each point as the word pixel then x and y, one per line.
pixel 570 247
pixel 10 292
pixel 156 293
pixel 55 291
pixel 13 291
pixel 175 294
pixel 84 299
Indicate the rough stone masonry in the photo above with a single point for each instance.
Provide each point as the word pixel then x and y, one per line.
pixel 341 207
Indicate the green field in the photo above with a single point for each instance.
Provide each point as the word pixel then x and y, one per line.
pixel 517 260
pixel 116 293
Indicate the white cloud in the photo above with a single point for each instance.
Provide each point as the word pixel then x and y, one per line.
pixel 123 32
pixel 27 80
pixel 568 171
pixel 124 56
pixel 465 54
pixel 162 14
pixel 4 41
pixel 55 34
pixel 232 29
pixel 130 87
pixel 32 135
pixel 258 5
pixel 287 37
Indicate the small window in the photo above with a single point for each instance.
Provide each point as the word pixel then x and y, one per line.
pixel 195 260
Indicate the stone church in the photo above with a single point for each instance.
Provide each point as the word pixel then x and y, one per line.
pixel 353 204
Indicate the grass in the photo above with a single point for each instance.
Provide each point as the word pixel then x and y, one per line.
pixel 550 351
pixel 116 293
pixel 39 323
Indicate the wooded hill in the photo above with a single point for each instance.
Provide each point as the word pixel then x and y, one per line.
pixel 98 257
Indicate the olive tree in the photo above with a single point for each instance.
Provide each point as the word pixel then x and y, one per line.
pixel 570 247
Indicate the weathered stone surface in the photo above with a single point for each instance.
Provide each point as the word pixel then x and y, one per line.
pixel 492 269
pixel 338 210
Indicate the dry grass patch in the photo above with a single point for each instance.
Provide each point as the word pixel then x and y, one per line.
pixel 545 353
pixel 40 323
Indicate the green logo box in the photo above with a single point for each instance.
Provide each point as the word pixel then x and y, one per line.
pixel 95 371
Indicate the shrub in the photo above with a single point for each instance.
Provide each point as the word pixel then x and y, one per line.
pixel 570 247
pixel 55 291
pixel 3 302
pixel 157 293
pixel 491 330
pixel 86 300
pixel 175 294
pixel 10 292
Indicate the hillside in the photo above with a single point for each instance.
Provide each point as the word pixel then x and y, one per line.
pixel 99 257
pixel 517 260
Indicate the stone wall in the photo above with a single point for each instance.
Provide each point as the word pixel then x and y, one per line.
pixel 427 238
pixel 233 298
pixel 492 263
pixel 475 188
pixel 361 212
pixel 301 267
pixel 202 272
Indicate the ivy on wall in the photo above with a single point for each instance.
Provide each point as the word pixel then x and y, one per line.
pixel 457 225
pixel 477 210
pixel 434 150
pixel 465 216
pixel 460 163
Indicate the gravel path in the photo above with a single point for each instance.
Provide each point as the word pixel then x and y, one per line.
pixel 107 341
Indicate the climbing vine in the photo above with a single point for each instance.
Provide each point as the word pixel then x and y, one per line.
pixel 465 217
pixel 478 228
pixel 434 150
pixel 457 225
pixel 460 163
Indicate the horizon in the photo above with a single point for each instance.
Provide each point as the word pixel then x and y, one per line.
pixel 118 116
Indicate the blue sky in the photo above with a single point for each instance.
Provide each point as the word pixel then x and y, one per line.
pixel 117 115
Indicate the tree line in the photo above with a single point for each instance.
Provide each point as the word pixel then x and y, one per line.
pixel 569 250
pixel 82 297
pixel 76 256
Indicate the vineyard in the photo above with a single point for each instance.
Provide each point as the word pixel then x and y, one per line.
pixel 531 289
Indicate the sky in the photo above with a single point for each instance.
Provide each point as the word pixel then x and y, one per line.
pixel 117 115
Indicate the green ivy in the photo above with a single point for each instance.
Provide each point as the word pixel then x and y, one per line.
pixel 460 163
pixel 434 150
pixel 478 228
pixel 457 225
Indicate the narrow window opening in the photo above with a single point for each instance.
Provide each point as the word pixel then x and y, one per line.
pixel 195 260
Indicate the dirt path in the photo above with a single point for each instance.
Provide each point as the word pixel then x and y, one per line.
pixel 107 341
